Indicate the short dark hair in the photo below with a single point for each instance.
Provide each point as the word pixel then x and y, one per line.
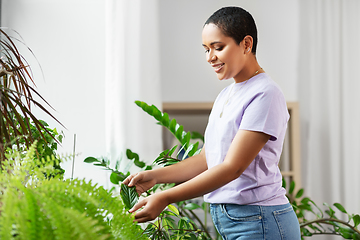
pixel 236 23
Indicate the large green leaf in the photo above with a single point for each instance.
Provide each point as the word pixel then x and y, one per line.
pixel 129 196
pixel 340 207
pixel 176 129
pixel 356 219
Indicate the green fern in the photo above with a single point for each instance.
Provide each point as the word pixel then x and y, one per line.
pixel 34 207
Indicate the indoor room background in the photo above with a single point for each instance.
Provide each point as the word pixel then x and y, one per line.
pixel 98 56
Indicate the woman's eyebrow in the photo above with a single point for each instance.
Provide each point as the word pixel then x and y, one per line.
pixel 211 44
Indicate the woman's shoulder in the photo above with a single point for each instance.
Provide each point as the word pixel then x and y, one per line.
pixel 263 83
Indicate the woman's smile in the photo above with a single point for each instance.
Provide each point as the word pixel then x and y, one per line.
pixel 218 67
pixel 225 56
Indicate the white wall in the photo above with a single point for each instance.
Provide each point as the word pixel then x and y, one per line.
pixel 68 39
pixel 185 74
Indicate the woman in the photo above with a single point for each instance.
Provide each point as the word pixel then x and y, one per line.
pixel 237 169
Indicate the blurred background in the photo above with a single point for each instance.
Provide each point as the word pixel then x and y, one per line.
pixel 94 58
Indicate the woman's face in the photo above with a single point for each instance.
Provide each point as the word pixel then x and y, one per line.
pixel 222 52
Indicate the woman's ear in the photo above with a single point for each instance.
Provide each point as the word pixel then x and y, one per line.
pixel 248 43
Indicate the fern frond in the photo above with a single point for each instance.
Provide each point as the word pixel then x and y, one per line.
pixel 8 210
pixel 35 207
pixel 84 227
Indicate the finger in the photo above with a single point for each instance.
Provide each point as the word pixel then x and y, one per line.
pixel 134 180
pixel 143 216
pixel 137 206
pixel 142 220
pixel 127 180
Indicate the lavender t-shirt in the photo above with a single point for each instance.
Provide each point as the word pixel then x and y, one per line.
pixel 257 105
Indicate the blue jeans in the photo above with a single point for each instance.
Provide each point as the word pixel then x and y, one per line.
pixel 235 222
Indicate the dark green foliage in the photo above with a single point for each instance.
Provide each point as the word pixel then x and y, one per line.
pixel 16 98
pixel 129 196
pixel 325 222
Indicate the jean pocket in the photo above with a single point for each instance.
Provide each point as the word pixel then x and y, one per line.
pixel 242 213
pixel 288 223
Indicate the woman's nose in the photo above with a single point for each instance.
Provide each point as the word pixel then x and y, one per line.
pixel 211 57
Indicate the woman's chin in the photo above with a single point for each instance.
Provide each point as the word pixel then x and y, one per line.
pixel 223 78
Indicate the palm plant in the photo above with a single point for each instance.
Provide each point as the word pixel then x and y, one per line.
pixel 17 97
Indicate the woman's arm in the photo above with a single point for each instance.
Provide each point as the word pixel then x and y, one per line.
pixel 177 173
pixel 244 148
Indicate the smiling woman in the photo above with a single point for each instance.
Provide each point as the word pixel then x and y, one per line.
pixel 228 57
pixel 243 143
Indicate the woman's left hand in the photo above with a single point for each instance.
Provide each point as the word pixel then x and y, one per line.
pixel 153 206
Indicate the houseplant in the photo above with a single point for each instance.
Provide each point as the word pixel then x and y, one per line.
pixel 323 222
pixel 36 207
pixel 17 96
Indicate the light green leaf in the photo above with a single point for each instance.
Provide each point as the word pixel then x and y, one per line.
pixel 173 209
pixel 191 206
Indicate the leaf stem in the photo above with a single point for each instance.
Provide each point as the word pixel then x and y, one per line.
pixel 328 221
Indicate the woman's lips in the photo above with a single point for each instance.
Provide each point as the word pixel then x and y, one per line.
pixel 218 67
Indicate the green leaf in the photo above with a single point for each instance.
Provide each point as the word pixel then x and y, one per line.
pixel 172 125
pixel 340 207
pixel 299 193
pixel 356 236
pixel 165 120
pixel 186 154
pixel 172 150
pixel 292 187
pixel 116 178
pixel 173 209
pixel 131 155
pixel 91 160
pixel 197 135
pixel 194 149
pixel 186 136
pixel 356 220
pixel 346 233
pixel 179 133
pixel 305 232
pixel 192 206
pixel 129 196
pixel 283 183
pixel 330 212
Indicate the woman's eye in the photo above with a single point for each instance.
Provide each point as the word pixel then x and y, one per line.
pixel 219 48
pixel 207 50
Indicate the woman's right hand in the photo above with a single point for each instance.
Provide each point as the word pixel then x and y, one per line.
pixel 143 181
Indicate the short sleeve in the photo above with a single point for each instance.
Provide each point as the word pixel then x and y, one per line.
pixel 266 112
